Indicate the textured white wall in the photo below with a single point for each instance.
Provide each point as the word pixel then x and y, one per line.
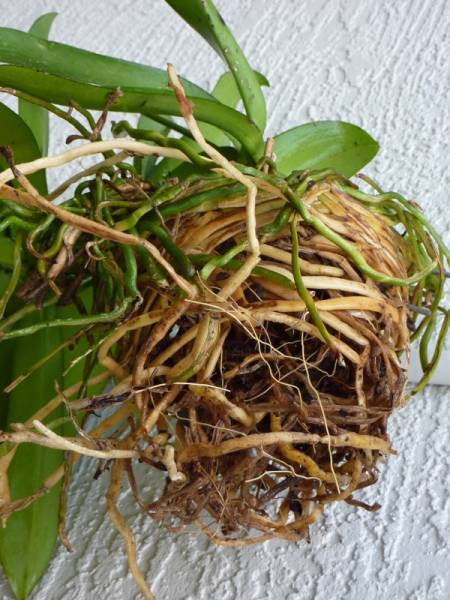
pixel 383 65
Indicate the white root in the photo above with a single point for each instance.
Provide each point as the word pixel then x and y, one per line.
pixel 186 109
pixel 168 461
pixel 108 162
pixel 50 439
pixel 49 162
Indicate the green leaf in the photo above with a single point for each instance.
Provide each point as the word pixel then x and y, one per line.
pixel 324 144
pixel 146 101
pixel 34 116
pixel 146 164
pixel 203 16
pixel 41 27
pixel 15 132
pixel 25 50
pixel 28 541
pixel 6 252
pixel 5 351
pixel 226 92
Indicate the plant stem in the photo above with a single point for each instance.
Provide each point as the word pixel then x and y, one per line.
pixel 303 291
pixel 108 317
pixel 15 275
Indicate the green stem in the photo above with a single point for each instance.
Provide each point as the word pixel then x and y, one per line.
pixel 23 312
pixel 164 194
pixel 154 270
pixel 57 243
pixel 86 114
pixel 430 327
pixel 278 224
pixel 39 229
pixel 409 207
pixel 199 260
pixel 303 291
pixel 425 341
pixel 349 248
pixel 62 114
pixel 179 257
pixel 171 124
pixel 211 197
pixel 14 221
pixel 431 366
pixel 186 146
pixel 221 261
pixel 15 275
pixel 80 321
pixel 275 226
pixel 131 270
pixel 21 211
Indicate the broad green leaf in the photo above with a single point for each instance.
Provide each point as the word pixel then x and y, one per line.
pixel 146 101
pixel 5 352
pixel 226 92
pixel 6 252
pixel 25 50
pixel 324 144
pixel 146 164
pixel 34 116
pixel 72 352
pixel 15 132
pixel 203 16
pixel 28 541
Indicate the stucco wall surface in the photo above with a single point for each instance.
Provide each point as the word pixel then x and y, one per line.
pixel 381 64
